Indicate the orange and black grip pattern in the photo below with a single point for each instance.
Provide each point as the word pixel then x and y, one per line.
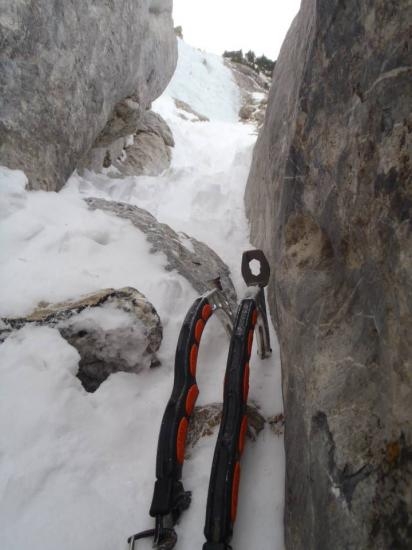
pixel 225 475
pixel 175 422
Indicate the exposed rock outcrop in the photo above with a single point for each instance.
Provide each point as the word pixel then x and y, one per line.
pixel 247 79
pixel 65 70
pixel 113 330
pixel 329 198
pixel 254 89
pixel 188 112
pixel 134 145
pixel 254 108
pixel 194 260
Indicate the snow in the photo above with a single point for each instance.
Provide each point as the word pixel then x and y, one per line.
pixel 13 183
pixel 205 83
pixel 77 469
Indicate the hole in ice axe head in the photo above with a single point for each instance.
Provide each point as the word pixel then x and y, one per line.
pixel 262 278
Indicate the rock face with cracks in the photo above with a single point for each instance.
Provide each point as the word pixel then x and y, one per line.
pixel 113 330
pixel 66 69
pixel 329 198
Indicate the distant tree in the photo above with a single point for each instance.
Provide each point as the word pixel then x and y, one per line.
pixel 250 58
pixel 265 65
pixel 236 56
pixel 259 64
pixel 179 31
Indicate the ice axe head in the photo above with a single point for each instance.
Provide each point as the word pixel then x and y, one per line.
pixel 262 278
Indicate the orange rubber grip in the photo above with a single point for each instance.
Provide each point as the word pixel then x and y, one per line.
pixel 181 440
pixel 235 491
pixel 200 325
pixel 206 312
pixel 242 434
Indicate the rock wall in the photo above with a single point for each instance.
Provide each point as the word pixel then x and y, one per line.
pixel 329 198
pixel 65 66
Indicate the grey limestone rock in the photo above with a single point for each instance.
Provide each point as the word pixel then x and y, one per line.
pixel 113 330
pixel 253 89
pixel 122 123
pixel 329 198
pixel 246 111
pixel 153 123
pixel 150 153
pixel 134 142
pixel 246 78
pixel 66 69
pixel 194 260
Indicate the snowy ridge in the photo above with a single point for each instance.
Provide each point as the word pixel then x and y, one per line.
pixel 77 469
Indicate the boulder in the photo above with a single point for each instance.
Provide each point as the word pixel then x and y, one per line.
pixel 194 260
pixel 123 122
pixel 153 123
pixel 253 108
pixel 66 70
pixel 134 142
pixel 113 330
pixel 148 155
pixel 329 198
pixel 150 152
pixel 246 111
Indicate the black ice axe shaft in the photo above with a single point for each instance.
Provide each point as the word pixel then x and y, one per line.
pixel 169 496
pixel 251 318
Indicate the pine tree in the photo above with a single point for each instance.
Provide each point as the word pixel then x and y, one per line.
pixel 251 58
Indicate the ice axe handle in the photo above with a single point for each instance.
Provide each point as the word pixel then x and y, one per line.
pixel 250 279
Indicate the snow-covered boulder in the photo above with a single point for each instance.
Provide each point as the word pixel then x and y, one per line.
pixel 113 330
pixel 196 261
pixel 64 66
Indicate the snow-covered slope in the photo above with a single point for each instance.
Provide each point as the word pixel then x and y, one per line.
pixel 205 83
pixel 77 469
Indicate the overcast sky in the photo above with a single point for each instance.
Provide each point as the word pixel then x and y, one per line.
pixel 218 25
